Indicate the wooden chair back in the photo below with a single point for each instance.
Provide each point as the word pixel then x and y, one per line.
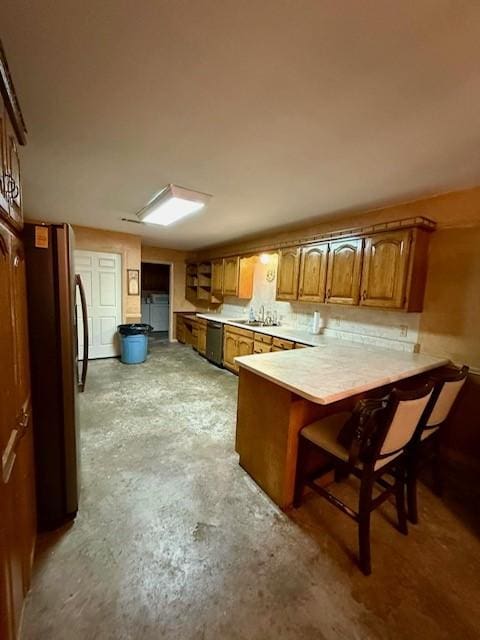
pixel 398 422
pixel 447 387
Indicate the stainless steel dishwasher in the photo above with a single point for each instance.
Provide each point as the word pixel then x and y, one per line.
pixel 215 342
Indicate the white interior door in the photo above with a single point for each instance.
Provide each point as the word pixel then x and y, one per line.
pixel 101 275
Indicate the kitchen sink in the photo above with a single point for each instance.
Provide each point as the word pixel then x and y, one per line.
pixel 255 323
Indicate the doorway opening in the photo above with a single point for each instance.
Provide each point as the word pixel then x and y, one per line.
pixel 156 290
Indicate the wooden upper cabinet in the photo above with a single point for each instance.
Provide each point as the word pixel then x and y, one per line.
pixel 385 270
pixel 217 277
pixel 287 273
pixel 344 271
pixel 313 273
pixel 14 177
pixel 231 271
pixel 238 277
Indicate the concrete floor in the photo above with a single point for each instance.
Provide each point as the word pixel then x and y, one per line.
pixel 174 540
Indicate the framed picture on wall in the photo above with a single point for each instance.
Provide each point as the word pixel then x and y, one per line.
pixel 133 282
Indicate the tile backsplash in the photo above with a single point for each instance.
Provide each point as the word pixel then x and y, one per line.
pixel 391 329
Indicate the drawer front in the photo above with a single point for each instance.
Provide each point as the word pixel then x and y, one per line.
pixel 262 337
pixel 239 332
pixel 201 322
pixel 261 347
pixel 300 345
pixel 283 344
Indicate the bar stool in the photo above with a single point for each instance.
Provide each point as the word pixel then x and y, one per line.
pixel 425 445
pixel 377 449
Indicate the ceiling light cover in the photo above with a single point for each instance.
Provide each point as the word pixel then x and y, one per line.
pixel 172 204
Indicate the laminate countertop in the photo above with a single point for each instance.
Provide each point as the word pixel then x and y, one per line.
pixel 337 369
pixel 285 332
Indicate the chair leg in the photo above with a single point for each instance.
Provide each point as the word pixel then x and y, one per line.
pixel 300 473
pixel 412 472
pixel 400 502
pixel 437 468
pixel 364 512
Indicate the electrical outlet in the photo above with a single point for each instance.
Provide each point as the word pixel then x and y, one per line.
pixel 403 330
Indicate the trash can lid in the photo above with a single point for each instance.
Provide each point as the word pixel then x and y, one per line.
pixel 134 329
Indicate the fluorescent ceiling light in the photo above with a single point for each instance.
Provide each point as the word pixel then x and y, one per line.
pixel 172 204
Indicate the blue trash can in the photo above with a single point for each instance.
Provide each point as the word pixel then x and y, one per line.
pixel 134 342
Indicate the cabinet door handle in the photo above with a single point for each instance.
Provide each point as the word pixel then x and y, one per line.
pixel 15 191
pixel 23 423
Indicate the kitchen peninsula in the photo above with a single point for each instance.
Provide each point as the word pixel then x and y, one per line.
pixel 279 393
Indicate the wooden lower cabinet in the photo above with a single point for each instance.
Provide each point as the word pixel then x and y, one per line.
pixel 186 329
pixel 245 346
pixel 180 329
pixel 202 336
pixel 280 344
pixel 261 347
pixel 230 346
pixel 236 342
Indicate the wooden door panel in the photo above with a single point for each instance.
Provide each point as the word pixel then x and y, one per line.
pixel 217 277
pixel 385 265
pixel 344 270
pixel 8 392
pixel 202 340
pixel 17 503
pixel 244 348
pixel 230 349
pixel 261 347
pixel 287 273
pixel 101 278
pixel 313 273
pixel 230 276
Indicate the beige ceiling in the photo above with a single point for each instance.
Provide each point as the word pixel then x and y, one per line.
pixel 282 109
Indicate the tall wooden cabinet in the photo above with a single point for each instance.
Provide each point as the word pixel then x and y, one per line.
pixel 217 277
pixel 17 489
pixel 313 273
pixel 385 269
pixel 287 273
pixel 343 273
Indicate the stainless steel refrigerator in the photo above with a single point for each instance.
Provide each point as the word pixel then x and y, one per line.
pixel 56 372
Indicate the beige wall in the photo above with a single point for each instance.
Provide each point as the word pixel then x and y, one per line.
pixel 458 208
pixel 128 246
pixel 177 258
pixel 450 322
